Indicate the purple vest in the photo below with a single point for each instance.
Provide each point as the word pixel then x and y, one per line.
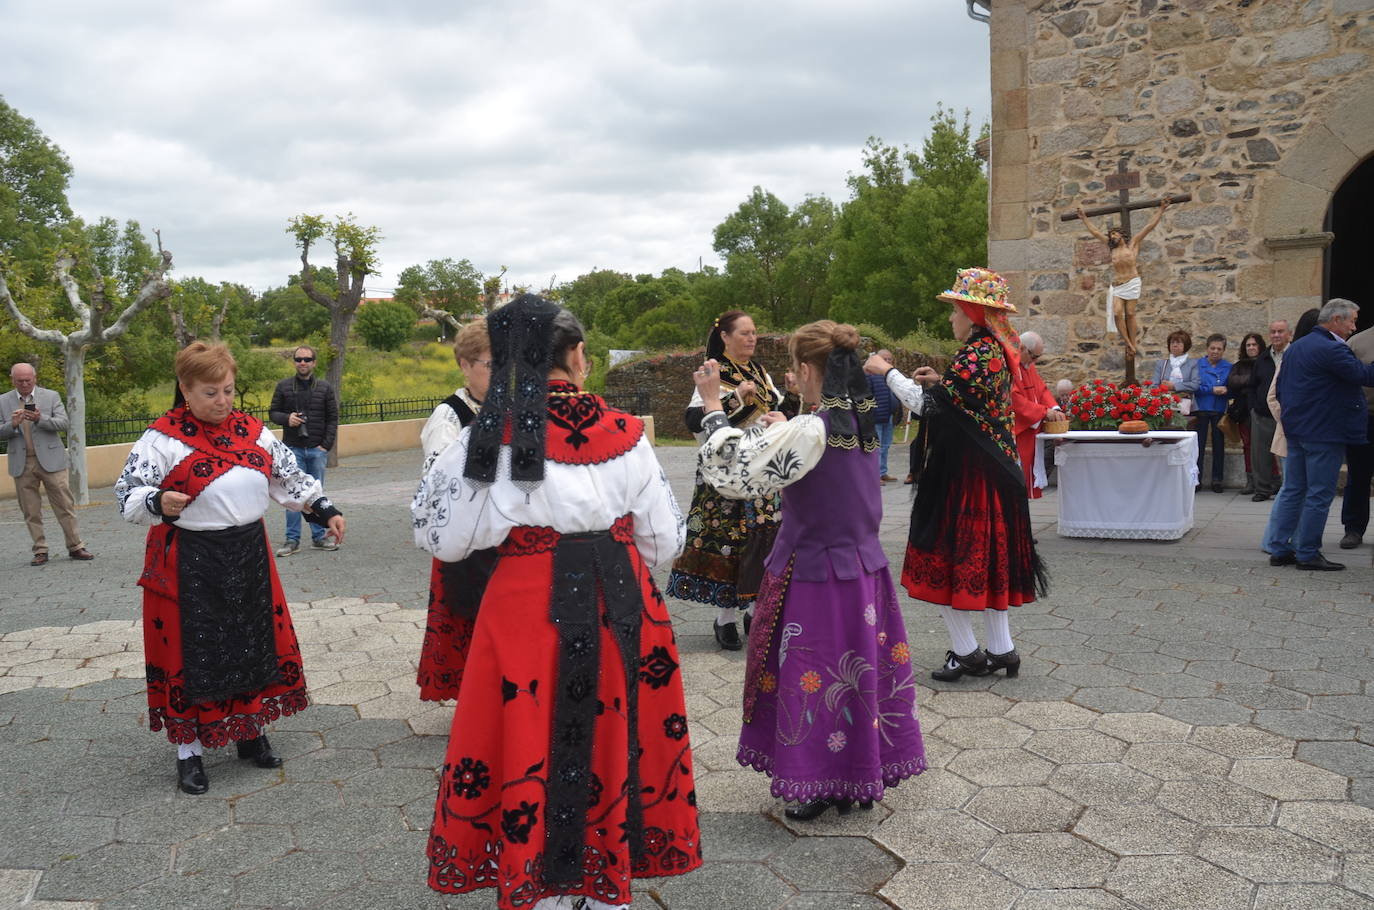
pixel 830 519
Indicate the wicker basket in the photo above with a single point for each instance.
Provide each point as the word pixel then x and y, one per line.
pixel 1055 427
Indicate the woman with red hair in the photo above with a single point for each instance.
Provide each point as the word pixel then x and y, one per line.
pixel 970 546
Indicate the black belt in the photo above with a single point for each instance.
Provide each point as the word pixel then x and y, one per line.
pixel 585 565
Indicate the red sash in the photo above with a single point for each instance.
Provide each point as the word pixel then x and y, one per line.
pixel 216 448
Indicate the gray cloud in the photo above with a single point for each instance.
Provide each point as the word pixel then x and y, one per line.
pixel 547 136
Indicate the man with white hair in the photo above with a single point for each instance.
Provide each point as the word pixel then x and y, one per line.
pixel 33 417
pixel 1031 405
pixel 1323 412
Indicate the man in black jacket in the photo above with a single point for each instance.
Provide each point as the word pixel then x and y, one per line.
pixel 1262 423
pixel 304 406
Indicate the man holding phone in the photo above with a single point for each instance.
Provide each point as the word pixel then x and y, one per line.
pixel 33 419
pixel 305 408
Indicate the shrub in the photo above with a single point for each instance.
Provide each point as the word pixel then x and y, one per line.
pixel 385 325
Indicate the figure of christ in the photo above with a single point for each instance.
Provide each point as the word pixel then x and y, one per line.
pixel 1125 286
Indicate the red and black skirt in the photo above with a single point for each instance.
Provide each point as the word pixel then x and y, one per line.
pixel 569 768
pixel 221 653
pixel 455 592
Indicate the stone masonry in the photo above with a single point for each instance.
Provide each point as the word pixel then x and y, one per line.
pixel 1258 109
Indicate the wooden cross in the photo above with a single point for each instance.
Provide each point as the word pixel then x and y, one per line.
pixel 1123 181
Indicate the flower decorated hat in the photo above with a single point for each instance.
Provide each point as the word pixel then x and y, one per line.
pixel 981 286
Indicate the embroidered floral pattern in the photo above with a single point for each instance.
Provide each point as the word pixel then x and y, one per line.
pixel 810 682
pixel 836 741
pixel 470 777
pixel 901 653
pixel 675 726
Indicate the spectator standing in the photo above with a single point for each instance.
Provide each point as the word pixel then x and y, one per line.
pixel 1359 458
pixel 1031 405
pixel 1323 411
pixel 1243 390
pixel 882 418
pixel 1212 396
pixel 1263 421
pixel 38 459
pixel 304 406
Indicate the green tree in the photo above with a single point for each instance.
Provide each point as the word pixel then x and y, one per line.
pixel 34 174
pixel 355 257
pixel 442 289
pixel 585 293
pixel 199 309
pixel 754 241
pixel 92 302
pixel 911 222
pixel 286 313
pixel 804 273
pixel 386 324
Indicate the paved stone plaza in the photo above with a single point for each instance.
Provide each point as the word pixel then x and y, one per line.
pixel 1191 729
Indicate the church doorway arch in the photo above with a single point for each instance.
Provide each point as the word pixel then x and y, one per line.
pixel 1347 263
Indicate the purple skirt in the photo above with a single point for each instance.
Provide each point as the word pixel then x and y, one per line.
pixel 830 693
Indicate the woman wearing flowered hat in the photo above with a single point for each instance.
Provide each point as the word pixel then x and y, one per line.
pixel 970 546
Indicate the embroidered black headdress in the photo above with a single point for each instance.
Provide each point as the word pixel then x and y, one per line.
pixel 521 335
pixel 845 394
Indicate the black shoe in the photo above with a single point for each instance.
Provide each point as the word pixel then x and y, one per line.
pixel 1320 564
pixel 1283 559
pixel 727 636
pixel 1011 662
pixel 1259 497
pixel 866 804
pixel 191 776
pixel 260 751
pixel 1216 486
pixel 956 665
pixel 808 811
pixel 1351 540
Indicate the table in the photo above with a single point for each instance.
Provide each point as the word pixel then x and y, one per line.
pixel 1115 485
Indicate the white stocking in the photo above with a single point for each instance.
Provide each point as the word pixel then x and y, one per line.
pixel 998 631
pixel 726 616
pixel 962 640
pixel 186 750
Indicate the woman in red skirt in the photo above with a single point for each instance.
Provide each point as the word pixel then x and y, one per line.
pixel 222 658
pixel 569 770
pixel 970 547
pixel 455 588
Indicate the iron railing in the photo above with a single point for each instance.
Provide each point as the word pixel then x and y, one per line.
pixel 107 430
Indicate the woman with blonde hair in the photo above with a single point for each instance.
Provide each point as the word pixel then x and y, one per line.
pixel 455 588
pixel 222 658
pixel 830 698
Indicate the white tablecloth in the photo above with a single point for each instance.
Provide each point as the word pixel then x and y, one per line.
pixel 1112 486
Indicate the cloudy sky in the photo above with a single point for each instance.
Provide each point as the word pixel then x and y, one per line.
pixel 549 136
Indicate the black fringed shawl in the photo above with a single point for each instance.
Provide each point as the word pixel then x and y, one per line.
pixel 967 429
pixel 845 393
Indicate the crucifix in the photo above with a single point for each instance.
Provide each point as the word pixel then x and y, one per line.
pixel 1124 250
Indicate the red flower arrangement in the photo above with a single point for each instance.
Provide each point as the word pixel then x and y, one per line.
pixel 1102 405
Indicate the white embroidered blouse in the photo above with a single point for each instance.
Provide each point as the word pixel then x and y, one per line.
pixel 754 461
pixel 238 497
pixel 443 426
pixel 453 520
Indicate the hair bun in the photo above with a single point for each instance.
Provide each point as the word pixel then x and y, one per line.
pixel 845 337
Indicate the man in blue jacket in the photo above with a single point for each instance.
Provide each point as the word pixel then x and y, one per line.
pixel 882 418
pixel 1323 410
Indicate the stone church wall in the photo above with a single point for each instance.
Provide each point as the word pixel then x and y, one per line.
pixel 1258 109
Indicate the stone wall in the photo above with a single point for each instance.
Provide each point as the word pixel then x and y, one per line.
pixel 1259 109
pixel 667 378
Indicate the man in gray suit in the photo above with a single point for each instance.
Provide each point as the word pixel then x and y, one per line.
pixel 37 458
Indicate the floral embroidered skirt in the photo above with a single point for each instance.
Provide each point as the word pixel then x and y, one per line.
pixel 830 696
pixel 715 567
pixel 979 561
pixel 490 821
pixel 444 651
pixel 235 718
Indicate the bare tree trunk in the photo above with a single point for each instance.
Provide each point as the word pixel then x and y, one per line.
pixel 74 372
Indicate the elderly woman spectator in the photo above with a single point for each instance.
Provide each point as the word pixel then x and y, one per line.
pixel 1178 369
pixel 222 658
pixel 1241 386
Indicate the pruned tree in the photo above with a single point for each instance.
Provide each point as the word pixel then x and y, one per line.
pixel 355 257
pixel 491 289
pixel 198 309
pixel 95 330
pixel 442 290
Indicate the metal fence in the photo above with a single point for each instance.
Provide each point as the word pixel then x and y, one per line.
pixel 106 430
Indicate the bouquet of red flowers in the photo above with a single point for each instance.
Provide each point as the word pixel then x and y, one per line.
pixel 1102 405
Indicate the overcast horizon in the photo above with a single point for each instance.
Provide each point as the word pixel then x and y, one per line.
pixel 548 137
